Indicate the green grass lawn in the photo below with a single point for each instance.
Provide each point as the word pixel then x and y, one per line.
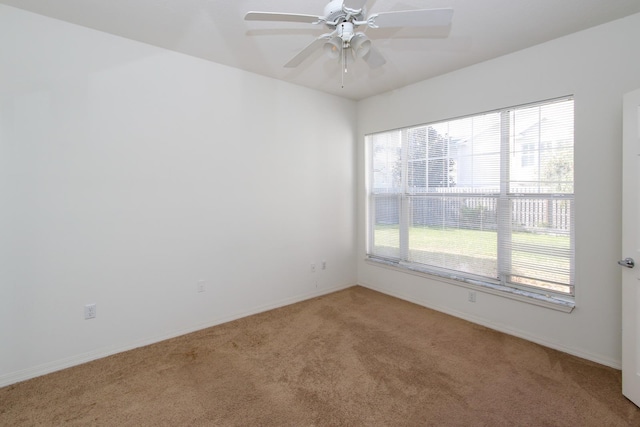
pixel 476 251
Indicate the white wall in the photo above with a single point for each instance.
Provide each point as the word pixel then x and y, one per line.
pixel 128 173
pixel 597 66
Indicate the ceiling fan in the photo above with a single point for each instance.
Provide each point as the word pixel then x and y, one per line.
pixel 343 18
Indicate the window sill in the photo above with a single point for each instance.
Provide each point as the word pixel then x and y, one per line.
pixel 547 301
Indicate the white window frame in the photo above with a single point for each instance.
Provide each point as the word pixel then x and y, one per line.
pixel 502 286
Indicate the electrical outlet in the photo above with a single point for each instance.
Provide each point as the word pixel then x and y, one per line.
pixel 201 287
pixel 324 264
pixel 313 267
pixel 472 296
pixel 89 311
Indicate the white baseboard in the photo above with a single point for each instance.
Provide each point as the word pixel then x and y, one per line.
pixel 57 365
pixel 616 364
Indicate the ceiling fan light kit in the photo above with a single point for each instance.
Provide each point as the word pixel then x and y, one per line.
pixel 333 47
pixel 344 17
pixel 360 45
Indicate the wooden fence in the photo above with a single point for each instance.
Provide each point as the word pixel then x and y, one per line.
pixel 471 208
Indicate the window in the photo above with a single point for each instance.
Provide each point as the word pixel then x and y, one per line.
pixel 528 154
pixel 487 198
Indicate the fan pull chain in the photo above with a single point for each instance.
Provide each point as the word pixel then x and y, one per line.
pixel 344 64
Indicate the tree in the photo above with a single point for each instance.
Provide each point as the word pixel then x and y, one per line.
pixel 558 171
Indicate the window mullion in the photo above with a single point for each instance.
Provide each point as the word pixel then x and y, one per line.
pixel 405 203
pixel 371 209
pixel 504 205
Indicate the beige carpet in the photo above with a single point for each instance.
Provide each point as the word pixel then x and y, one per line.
pixel 355 357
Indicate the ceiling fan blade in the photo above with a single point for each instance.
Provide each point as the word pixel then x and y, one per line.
pixel 412 18
pixel 374 58
pixel 307 51
pixel 354 4
pixel 281 17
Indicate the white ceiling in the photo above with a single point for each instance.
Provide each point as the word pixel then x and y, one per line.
pixel 215 30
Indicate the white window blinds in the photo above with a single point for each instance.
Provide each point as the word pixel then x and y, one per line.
pixel 488 197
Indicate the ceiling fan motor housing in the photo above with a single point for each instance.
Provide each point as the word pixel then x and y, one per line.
pixel 334 12
pixel 345 31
